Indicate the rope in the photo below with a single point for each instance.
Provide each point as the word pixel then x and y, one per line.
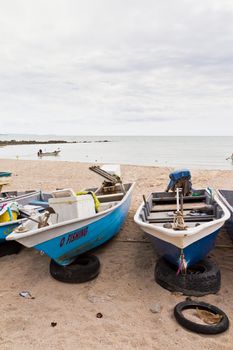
pixel 182 264
pixel 178 222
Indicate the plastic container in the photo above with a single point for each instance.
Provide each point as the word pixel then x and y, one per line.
pixel 68 206
pixel 5 217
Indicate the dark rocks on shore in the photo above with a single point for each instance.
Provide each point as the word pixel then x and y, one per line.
pixel 34 142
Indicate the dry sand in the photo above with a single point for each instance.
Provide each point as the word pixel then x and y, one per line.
pixel 124 291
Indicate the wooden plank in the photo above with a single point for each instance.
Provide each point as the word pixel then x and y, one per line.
pixel 110 197
pixel 171 207
pixel 164 215
pixel 187 219
pixel 173 199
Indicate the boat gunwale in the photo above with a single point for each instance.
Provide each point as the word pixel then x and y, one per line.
pixel 225 202
pixel 16 236
pixel 21 220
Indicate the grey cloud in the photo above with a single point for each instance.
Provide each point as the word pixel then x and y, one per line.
pixel 99 64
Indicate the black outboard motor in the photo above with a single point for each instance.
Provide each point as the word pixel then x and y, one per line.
pixel 180 179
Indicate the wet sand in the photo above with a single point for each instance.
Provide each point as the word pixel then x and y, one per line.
pixel 124 291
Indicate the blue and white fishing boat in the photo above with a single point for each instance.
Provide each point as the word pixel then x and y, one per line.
pixel 5 177
pixel 182 228
pixel 9 196
pixel 26 202
pixel 76 224
pixel 226 197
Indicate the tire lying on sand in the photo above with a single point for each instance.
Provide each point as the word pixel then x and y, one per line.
pixel 219 327
pixel 9 247
pixel 83 269
pixel 200 279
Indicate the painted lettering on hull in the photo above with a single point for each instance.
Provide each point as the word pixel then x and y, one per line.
pixel 74 236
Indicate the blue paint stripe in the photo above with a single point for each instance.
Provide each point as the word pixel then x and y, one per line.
pixel 65 248
pixel 192 253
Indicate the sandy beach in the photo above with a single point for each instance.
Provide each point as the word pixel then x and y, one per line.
pixel 124 291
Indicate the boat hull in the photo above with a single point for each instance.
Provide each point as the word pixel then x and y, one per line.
pixel 186 247
pixel 229 227
pixel 227 198
pixel 7 228
pixel 75 238
pixel 192 253
pixel 46 154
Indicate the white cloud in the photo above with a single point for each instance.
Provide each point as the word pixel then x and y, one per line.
pixel 125 67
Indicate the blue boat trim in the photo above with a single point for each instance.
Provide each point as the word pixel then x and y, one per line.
pixel 6 229
pixel 65 248
pixel 192 253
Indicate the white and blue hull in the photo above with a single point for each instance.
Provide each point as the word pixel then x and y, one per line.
pixel 65 241
pixel 192 244
pixel 193 252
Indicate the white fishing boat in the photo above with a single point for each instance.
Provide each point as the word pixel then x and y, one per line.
pixel 54 153
pixel 182 228
pixel 77 223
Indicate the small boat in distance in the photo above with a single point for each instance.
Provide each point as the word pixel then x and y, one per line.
pixel 182 228
pixel 230 157
pixel 40 153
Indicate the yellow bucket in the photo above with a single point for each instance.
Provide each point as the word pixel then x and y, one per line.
pixel 5 217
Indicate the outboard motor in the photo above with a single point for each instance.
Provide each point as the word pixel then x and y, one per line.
pixel 180 179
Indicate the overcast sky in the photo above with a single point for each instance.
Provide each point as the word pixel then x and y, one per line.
pixel 122 67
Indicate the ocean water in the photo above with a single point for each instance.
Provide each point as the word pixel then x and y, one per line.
pixel 173 151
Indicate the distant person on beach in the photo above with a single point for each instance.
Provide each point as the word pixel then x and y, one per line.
pixel 39 153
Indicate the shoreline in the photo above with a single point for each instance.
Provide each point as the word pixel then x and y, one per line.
pixel 49 142
pixel 124 291
pixel 55 159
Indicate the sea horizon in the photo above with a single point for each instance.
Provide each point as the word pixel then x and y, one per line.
pixel 200 152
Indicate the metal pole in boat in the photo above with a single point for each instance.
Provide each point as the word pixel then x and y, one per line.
pixel 182 203
pixel 177 200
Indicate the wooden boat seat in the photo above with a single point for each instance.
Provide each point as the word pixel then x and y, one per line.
pixel 173 199
pixel 114 197
pixel 171 207
pixel 187 219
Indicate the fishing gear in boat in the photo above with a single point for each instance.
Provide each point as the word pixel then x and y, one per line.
pixel 110 174
pixel 178 223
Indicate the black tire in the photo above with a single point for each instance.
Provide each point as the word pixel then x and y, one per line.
pixel 222 326
pixel 83 269
pixel 200 279
pixel 9 247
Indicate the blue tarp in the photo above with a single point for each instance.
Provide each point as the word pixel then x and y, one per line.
pixel 178 175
